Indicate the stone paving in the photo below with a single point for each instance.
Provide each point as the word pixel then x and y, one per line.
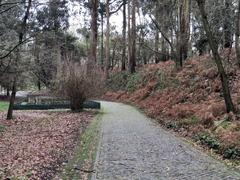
pixel 134 147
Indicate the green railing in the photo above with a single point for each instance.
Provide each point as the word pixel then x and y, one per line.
pixel 23 106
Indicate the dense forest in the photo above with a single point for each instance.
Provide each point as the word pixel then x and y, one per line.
pixel 176 59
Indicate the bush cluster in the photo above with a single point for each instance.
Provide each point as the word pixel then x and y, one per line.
pixel 77 85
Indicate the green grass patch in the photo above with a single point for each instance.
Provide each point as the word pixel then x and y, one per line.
pixel 85 153
pixel 3 106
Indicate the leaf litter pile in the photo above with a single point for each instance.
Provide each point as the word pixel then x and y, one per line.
pixel 36 143
pixel 189 101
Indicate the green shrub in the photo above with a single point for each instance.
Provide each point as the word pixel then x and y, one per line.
pixel 124 81
pixel 208 140
pixel 231 153
pixel 118 81
pixel 133 82
pixel 171 125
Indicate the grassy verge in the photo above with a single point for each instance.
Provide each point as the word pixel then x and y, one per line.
pixel 81 165
pixel 3 105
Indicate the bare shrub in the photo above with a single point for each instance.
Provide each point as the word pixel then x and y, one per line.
pixel 76 85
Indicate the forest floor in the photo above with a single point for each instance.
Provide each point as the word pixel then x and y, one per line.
pixel 188 102
pixel 134 147
pixel 36 144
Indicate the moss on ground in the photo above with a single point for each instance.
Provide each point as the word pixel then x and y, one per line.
pixel 82 163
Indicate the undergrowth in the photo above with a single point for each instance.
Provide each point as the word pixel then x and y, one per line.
pixel 164 81
pixel 124 81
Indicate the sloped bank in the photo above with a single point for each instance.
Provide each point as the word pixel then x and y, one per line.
pixel 189 101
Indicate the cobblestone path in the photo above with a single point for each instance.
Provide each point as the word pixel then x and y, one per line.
pixel 133 147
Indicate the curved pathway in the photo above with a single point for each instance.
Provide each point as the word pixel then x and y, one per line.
pixel 133 147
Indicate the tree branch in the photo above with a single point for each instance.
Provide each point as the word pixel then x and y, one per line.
pixel 8 9
pixel 160 53
pixel 164 35
pixel 119 7
pixel 10 3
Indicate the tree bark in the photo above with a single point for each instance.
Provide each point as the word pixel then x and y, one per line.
pixel 156 34
pixel 214 47
pixel 102 43
pixel 184 30
pixel 237 34
pixel 8 91
pixel 165 55
pixel 123 65
pixel 129 32
pixel 227 25
pixel 107 67
pixel 39 85
pixel 20 40
pixel 132 58
pixel 113 64
pixel 92 58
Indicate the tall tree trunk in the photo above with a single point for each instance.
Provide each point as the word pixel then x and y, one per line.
pixel 92 58
pixel 39 85
pixel 123 65
pixel 227 25
pixel 139 47
pixel 164 55
pixel 113 55
pixel 20 40
pixel 156 48
pixel 172 41
pixel 214 47
pixel 132 58
pixel 156 34
pixel 237 33
pixel 102 43
pixel 129 33
pixel 107 67
pixel 184 30
pixel 8 91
